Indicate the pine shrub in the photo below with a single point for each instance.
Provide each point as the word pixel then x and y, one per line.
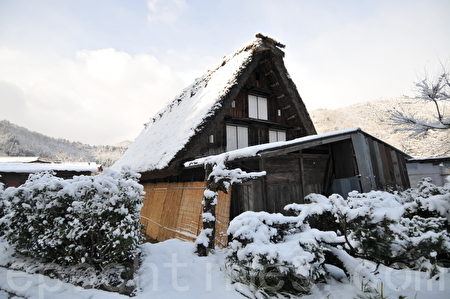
pixel 407 229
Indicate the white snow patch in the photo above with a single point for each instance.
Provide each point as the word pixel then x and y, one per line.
pixel 170 269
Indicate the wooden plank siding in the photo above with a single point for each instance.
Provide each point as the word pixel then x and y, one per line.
pixel 173 210
pixel 362 155
pixel 389 166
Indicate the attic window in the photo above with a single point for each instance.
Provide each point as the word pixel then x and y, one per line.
pixel 237 137
pixel 233 104
pixel 211 138
pixel 257 107
pixel 277 135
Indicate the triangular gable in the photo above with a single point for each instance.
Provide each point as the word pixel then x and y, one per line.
pixel 172 128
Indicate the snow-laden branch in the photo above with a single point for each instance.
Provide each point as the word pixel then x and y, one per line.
pixel 435 91
pixel 219 178
pixel 224 177
pixel 417 126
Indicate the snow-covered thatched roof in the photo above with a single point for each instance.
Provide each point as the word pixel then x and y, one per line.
pixel 170 130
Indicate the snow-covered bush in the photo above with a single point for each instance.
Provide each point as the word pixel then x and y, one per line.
pixel 86 219
pixel 406 229
pixel 275 252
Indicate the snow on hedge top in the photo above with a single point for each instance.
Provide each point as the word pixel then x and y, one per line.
pixel 170 130
pixel 37 167
pixel 254 150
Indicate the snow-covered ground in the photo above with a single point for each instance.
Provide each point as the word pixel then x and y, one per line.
pixel 170 269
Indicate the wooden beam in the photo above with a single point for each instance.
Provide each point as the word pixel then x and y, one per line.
pixel 262 167
pixel 308 155
pixel 302 178
pixel 294 148
pixel 379 160
pixel 274 84
pixel 328 178
pixel 364 163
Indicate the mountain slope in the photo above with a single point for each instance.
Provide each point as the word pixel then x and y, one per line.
pixel 19 141
pixel 373 118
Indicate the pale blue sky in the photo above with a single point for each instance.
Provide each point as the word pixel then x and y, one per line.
pixel 100 69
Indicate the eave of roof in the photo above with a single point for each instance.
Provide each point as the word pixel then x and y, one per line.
pixel 429 160
pixel 261 149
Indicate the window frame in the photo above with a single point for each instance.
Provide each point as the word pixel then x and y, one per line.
pixel 238 131
pixel 277 134
pixel 260 108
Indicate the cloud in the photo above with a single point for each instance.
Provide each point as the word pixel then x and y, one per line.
pixel 97 96
pixel 380 56
pixel 165 11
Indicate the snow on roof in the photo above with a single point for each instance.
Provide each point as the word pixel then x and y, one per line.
pixel 36 167
pixel 170 130
pixel 21 159
pixel 430 159
pixel 254 150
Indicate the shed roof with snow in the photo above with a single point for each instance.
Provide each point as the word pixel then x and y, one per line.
pixel 14 173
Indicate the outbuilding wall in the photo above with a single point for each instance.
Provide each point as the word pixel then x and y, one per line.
pixel 173 210
pixel 438 170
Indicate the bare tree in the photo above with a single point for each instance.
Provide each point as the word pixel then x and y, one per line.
pixel 434 91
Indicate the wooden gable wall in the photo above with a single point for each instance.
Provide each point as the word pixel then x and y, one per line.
pixel 265 76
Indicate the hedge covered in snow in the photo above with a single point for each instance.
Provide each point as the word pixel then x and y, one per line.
pixel 279 253
pixel 86 219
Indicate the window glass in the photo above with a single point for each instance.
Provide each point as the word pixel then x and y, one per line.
pixel 262 108
pixel 242 137
pixel 272 136
pixel 252 106
pixel 277 135
pixel 257 107
pixel 231 138
pixel 237 137
pixel 281 135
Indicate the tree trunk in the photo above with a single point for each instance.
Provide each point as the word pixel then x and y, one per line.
pixel 208 215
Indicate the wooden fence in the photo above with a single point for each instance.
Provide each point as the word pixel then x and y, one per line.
pixel 173 210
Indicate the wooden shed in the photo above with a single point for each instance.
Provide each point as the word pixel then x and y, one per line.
pixel 337 162
pixel 248 103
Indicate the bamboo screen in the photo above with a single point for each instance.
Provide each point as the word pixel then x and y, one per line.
pixel 173 210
